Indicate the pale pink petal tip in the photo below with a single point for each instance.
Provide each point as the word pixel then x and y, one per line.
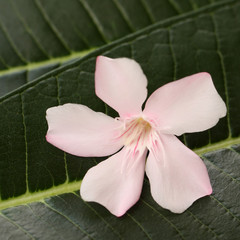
pixel 178 177
pixel 210 190
pixel 111 186
pixel 115 78
pixel 190 104
pixel 48 138
pixel 78 130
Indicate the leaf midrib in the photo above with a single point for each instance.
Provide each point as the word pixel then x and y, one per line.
pixel 34 65
pixel 69 187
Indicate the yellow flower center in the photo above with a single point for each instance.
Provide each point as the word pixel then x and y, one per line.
pixel 136 133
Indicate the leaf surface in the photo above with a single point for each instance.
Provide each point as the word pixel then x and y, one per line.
pixel 37 37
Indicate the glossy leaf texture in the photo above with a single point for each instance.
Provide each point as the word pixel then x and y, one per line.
pixel 36 32
pixel 33 31
pixel 37 200
pixel 68 217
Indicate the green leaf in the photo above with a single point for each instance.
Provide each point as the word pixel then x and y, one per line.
pixel 38 182
pixel 33 31
pixel 36 38
pixel 68 217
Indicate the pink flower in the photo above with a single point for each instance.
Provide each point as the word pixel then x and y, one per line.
pixel 177 175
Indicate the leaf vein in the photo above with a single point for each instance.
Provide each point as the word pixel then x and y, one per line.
pixel 4 63
pixel 95 20
pixel 68 219
pixel 26 143
pixel 124 15
pixel 17 225
pixel 92 209
pixel 41 218
pixel 221 170
pixel 51 25
pixel 148 10
pixel 175 6
pixel 28 30
pixel 206 226
pixel 12 44
pixel 223 71
pixel 223 206
pixel 167 220
pixel 139 225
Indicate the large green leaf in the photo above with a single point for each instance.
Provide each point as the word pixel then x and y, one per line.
pixel 33 31
pixel 38 182
pixel 36 36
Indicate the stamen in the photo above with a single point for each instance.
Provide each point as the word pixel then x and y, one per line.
pixel 136 134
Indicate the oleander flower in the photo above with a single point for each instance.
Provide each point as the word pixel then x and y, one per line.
pixel 176 174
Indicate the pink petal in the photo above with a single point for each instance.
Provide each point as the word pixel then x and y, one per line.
pixel 121 84
pixel 80 131
pixel 115 187
pixel 177 175
pixel 191 104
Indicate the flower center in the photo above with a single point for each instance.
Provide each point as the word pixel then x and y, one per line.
pixel 136 133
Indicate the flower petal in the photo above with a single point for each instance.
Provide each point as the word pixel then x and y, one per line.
pixel 121 84
pixel 177 175
pixel 191 104
pixel 80 131
pixel 115 188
